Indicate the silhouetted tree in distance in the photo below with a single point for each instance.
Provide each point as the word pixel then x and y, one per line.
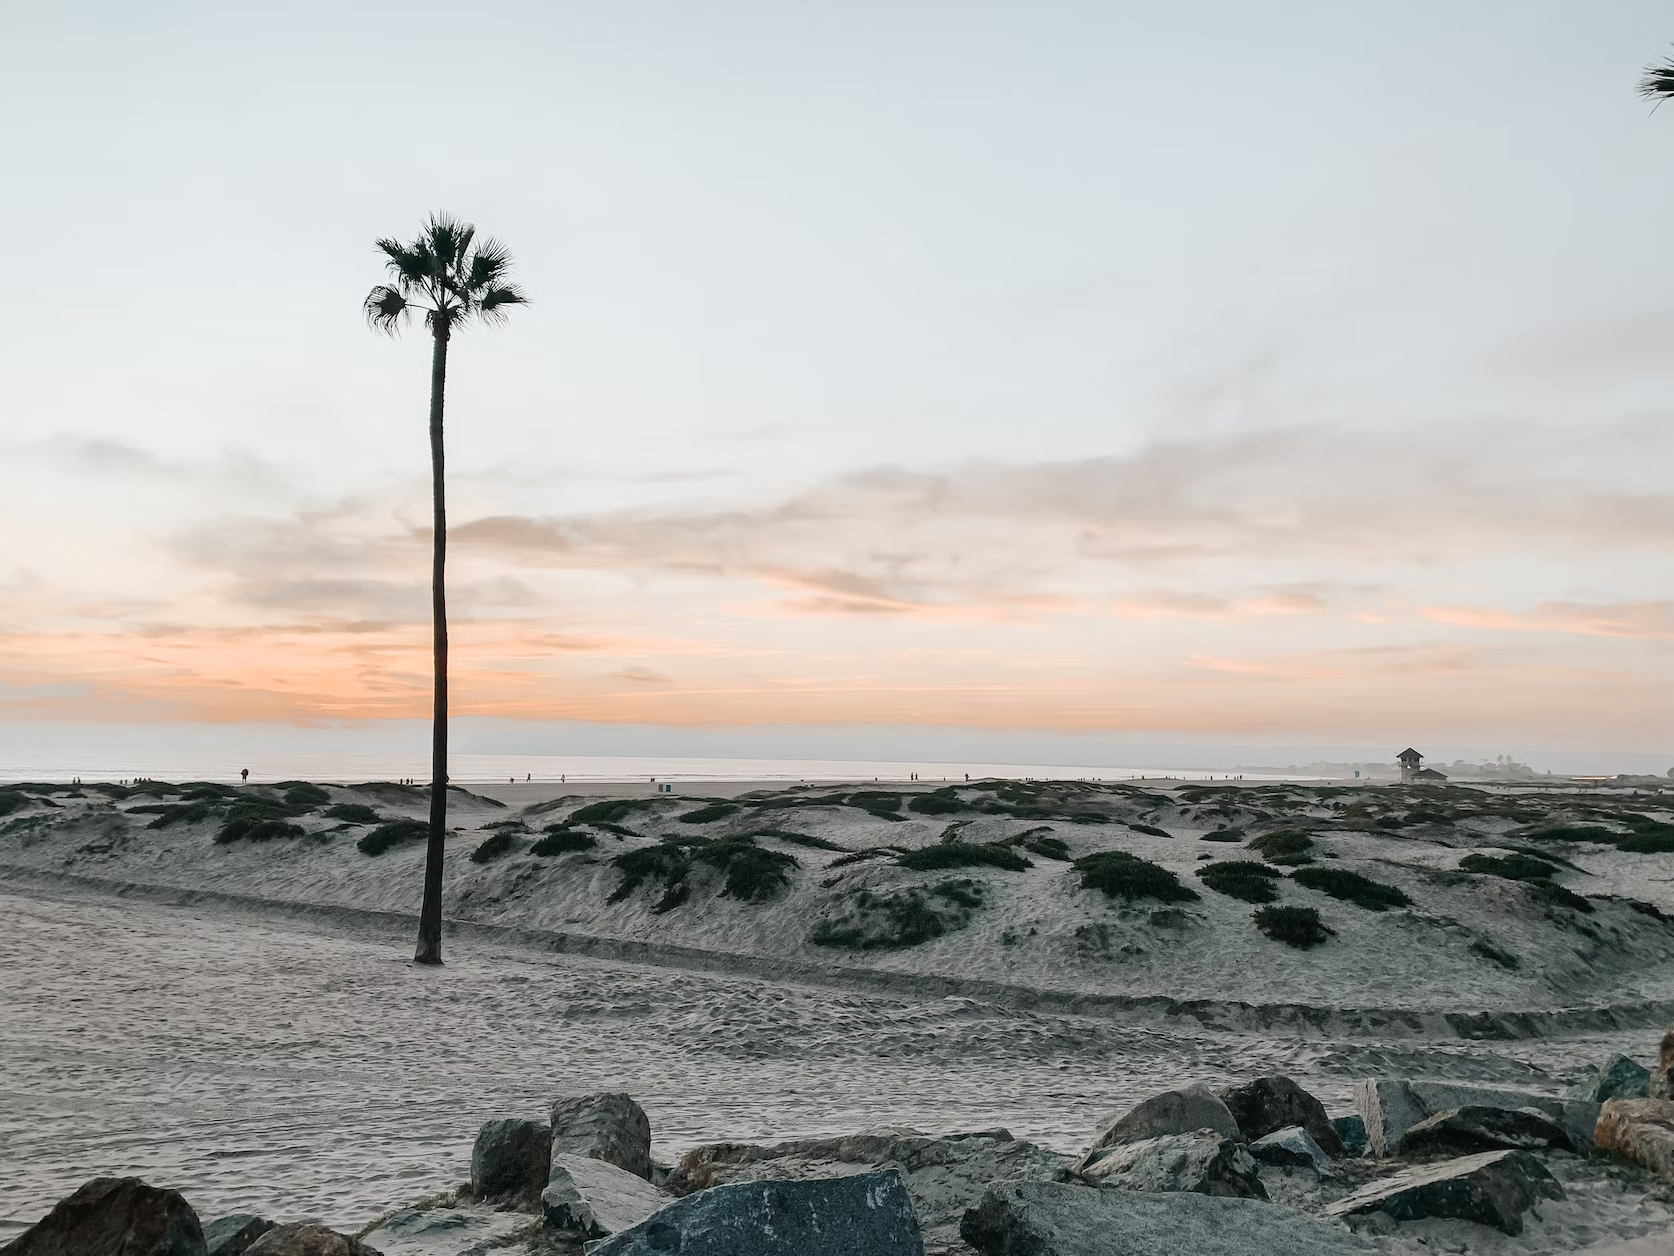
pixel 450 277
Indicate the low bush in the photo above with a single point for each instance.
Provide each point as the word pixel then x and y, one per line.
pixel 1121 875
pixel 391 834
pixel 890 922
pixel 708 815
pixel 11 800
pixel 936 805
pixel 874 800
pixel 1241 879
pixel 753 874
pixel 1554 894
pixel 256 818
pixel 1287 849
pixel 612 809
pixel 1595 833
pixel 1511 867
pixel 1294 926
pixel 1046 846
pixel 303 793
pixel 493 847
pixel 665 862
pixel 1225 835
pixel 964 855
pixel 166 813
pixel 211 792
pixel 561 841
pixel 1351 887
pixel 354 813
pixel 1152 829
pixel 860 856
pixel 799 839
pixel 1648 844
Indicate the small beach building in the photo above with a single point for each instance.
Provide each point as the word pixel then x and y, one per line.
pixel 1413 769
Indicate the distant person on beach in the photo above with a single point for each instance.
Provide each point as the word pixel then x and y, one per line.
pixel 244 775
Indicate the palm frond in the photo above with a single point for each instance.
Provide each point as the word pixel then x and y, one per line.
pixel 386 309
pixel 487 269
pixel 492 307
pixel 455 280
pixel 410 265
pixel 1658 83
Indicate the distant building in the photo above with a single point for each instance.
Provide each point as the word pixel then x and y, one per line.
pixel 1413 769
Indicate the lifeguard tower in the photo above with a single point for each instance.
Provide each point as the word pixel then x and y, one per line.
pixel 1413 769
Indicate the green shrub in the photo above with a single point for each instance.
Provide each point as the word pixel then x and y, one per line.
pixel 1553 893
pixel 1294 926
pixel 889 922
pixel 1512 867
pixel 1287 849
pixel 303 794
pixel 860 856
pixel 1594 833
pixel 493 847
pixel 561 841
pixel 665 862
pixel 1648 844
pixel 1240 879
pixel 1046 847
pixel 875 801
pixel 1224 835
pixel 209 791
pixel 11 800
pixel 1351 887
pixel 711 813
pixel 253 818
pixel 753 873
pixel 936 805
pixel 1121 875
pixel 798 839
pixel 612 809
pixel 391 834
pixel 1152 829
pixel 354 813
pixel 177 813
pixel 964 855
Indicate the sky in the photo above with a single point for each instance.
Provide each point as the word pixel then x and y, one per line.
pixel 911 374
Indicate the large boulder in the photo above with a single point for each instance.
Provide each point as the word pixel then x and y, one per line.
pixel 1181 1111
pixel 944 1175
pixel 1050 1219
pixel 607 1126
pixel 1274 1103
pixel 1661 1084
pixel 868 1214
pixel 511 1159
pixel 307 1239
pixel 1640 1129
pixel 230 1236
pixel 1493 1188
pixel 114 1217
pixel 1390 1107
pixel 1351 1129
pixel 1460 1130
pixel 1617 1078
pixel 595 1198
pixel 1292 1148
pixel 1201 1162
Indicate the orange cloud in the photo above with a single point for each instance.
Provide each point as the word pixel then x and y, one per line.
pixel 1642 621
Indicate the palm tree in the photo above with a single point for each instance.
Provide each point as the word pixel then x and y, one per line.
pixel 451 277
pixel 1658 83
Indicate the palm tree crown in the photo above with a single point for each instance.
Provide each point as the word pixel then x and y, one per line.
pixel 448 274
pixel 1658 83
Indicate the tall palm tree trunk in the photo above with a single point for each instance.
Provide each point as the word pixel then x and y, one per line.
pixel 430 914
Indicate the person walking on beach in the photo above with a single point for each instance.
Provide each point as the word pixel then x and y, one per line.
pixel 244 775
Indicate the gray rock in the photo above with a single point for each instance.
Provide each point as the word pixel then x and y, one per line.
pixel 595 1198
pixel 229 1236
pixel 945 1175
pixel 1493 1188
pixel 1351 1129
pixel 1048 1219
pixel 1202 1162
pixel 1642 1130
pixel 1275 1103
pixel 868 1214
pixel 114 1217
pixel 1485 1129
pixel 1294 1148
pixel 1661 1085
pixel 307 1240
pixel 1181 1111
pixel 1391 1107
pixel 510 1158
pixel 450 1231
pixel 1617 1078
pixel 607 1126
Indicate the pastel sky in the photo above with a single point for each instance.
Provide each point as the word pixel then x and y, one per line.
pixel 1297 373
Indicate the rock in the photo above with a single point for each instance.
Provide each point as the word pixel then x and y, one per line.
pixel 1661 1085
pixel 1618 1078
pixel 607 1126
pixel 1293 1148
pixel 945 1175
pixel 1201 1162
pixel 1640 1129
pixel 1484 1129
pixel 1391 1107
pixel 1352 1130
pixel 1172 1112
pixel 444 1231
pixel 229 1236
pixel 1049 1219
pixel 867 1214
pixel 510 1158
pixel 1494 1188
pixel 114 1217
pixel 307 1239
pixel 1274 1103
pixel 595 1198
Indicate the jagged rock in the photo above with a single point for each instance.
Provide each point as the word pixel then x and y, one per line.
pixel 510 1158
pixel 595 1198
pixel 114 1217
pixel 1485 1129
pixel 1274 1103
pixel 1048 1219
pixel 229 1236
pixel 1391 1107
pixel 867 1214
pixel 945 1175
pixel 1292 1148
pixel 1494 1188
pixel 607 1126
pixel 466 1227
pixel 1352 1130
pixel 1618 1078
pixel 1182 1111
pixel 1661 1085
pixel 1640 1129
pixel 307 1240
pixel 1201 1162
